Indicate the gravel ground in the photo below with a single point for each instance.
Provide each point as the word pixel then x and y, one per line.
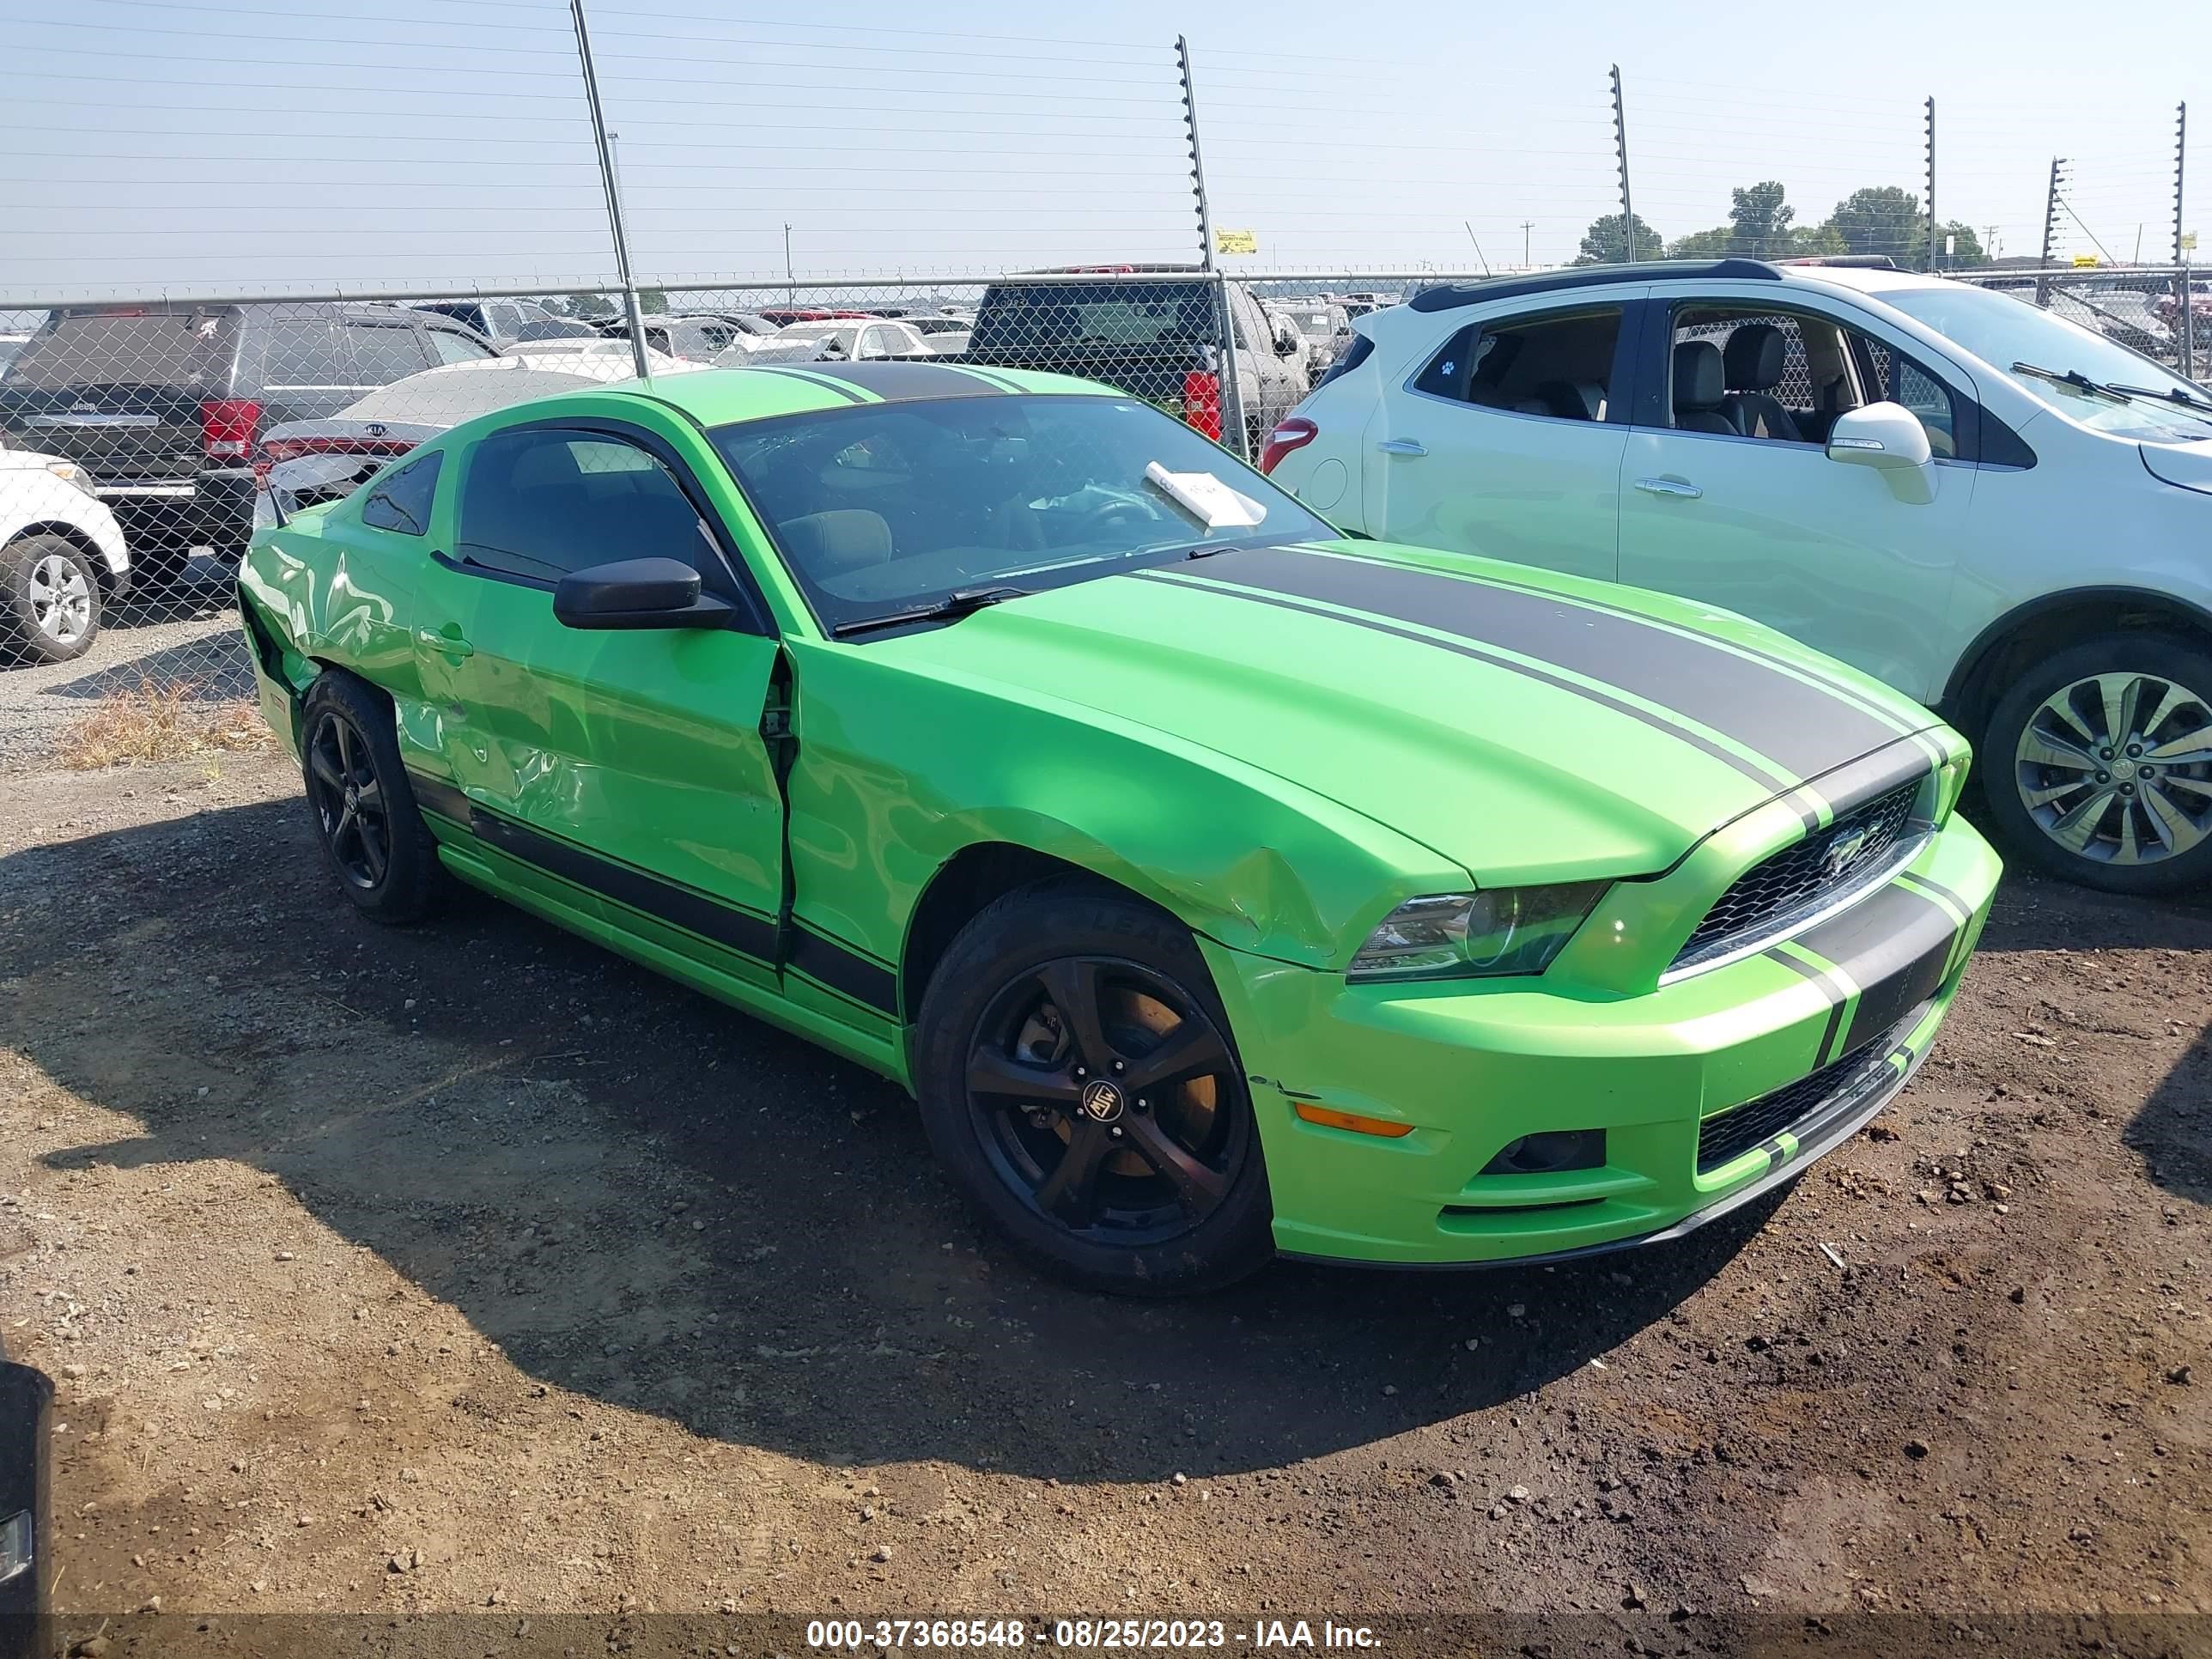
pixel 398 1275
pixel 186 635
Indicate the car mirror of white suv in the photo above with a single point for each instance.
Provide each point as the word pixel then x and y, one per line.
pixel 1889 438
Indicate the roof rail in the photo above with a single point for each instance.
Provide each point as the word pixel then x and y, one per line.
pixel 1845 261
pixel 1451 295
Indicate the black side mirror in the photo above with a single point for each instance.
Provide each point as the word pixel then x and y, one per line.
pixel 637 593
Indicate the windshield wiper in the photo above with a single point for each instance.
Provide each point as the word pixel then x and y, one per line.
pixel 2173 394
pixel 2118 393
pixel 960 602
pixel 2072 377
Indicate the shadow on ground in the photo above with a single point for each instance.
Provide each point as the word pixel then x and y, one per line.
pixel 649 1199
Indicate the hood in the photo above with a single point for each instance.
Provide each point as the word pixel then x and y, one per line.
pixel 1521 725
pixel 2189 466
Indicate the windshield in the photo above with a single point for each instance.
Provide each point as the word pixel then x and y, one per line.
pixel 2002 331
pixel 886 506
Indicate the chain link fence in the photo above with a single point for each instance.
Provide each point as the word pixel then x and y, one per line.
pixel 144 440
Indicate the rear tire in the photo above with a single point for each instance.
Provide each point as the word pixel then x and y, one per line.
pixel 2066 794
pixel 1114 1145
pixel 50 599
pixel 361 806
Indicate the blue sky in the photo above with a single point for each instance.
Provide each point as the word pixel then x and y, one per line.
pixel 170 145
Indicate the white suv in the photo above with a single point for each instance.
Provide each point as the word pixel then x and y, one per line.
pixel 2002 514
pixel 62 558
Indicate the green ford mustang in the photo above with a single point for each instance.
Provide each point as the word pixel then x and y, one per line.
pixel 1218 886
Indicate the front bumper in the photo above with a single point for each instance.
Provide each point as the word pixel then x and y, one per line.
pixel 1473 1065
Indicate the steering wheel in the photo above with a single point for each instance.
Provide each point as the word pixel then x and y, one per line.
pixel 1107 515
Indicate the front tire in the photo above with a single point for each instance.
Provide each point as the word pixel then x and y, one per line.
pixel 1079 1083
pixel 2097 764
pixel 50 599
pixel 372 835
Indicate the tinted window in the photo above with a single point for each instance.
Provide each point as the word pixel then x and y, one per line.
pixel 132 346
pixel 449 347
pixel 1781 375
pixel 400 500
pixel 1560 367
pixel 1111 313
pixel 377 354
pixel 300 351
pixel 543 503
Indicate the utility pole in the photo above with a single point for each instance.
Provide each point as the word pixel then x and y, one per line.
pixel 790 279
pixel 1232 394
pixel 2049 229
pixel 600 140
pixel 2188 317
pixel 1527 225
pixel 1933 262
pixel 1620 153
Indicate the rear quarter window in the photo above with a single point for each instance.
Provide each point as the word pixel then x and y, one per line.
pixel 400 500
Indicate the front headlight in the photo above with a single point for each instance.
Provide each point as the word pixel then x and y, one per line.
pixel 1507 930
pixel 70 473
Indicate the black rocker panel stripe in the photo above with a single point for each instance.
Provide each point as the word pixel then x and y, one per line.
pixel 1893 943
pixel 819 959
pixel 831 964
pixel 1798 725
pixel 1765 777
pixel 897 382
pixel 1831 987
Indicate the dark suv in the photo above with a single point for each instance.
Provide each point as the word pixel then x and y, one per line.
pixel 164 405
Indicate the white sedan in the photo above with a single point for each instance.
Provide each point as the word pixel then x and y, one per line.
pixel 852 340
pixel 62 558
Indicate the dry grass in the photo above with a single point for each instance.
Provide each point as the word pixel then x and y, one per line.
pixel 155 722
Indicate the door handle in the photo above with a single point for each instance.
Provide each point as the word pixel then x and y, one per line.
pixel 1669 486
pixel 1403 447
pixel 446 644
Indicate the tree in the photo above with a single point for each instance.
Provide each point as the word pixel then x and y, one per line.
pixel 1714 244
pixel 652 302
pixel 1814 241
pixel 1606 242
pixel 1883 219
pixel 1761 219
pixel 1966 248
pixel 586 307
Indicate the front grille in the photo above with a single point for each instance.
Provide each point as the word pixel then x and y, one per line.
pixel 1800 878
pixel 1728 1136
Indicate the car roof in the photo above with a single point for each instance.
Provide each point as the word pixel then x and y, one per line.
pixel 1865 277
pixel 718 397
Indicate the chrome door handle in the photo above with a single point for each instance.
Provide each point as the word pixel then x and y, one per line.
pixel 1403 447
pixel 450 645
pixel 1669 486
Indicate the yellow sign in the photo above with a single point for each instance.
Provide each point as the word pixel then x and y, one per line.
pixel 1235 241
pixel 2189 242
pixel 2085 261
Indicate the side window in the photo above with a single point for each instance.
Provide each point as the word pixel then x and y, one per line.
pixel 1765 388
pixel 541 503
pixel 448 347
pixel 1893 376
pixel 302 354
pixel 1554 366
pixel 376 354
pixel 401 499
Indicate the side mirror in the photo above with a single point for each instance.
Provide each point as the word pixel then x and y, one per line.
pixel 1889 438
pixel 632 593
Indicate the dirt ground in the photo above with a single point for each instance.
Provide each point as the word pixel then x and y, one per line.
pixel 401 1275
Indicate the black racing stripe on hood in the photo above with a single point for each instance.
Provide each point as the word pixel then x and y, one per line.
pixel 1858 781
pixel 820 383
pixel 1765 777
pixel 1799 726
pixel 902 382
pixel 1490 579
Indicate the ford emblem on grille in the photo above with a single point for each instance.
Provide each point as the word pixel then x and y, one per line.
pixel 1844 852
